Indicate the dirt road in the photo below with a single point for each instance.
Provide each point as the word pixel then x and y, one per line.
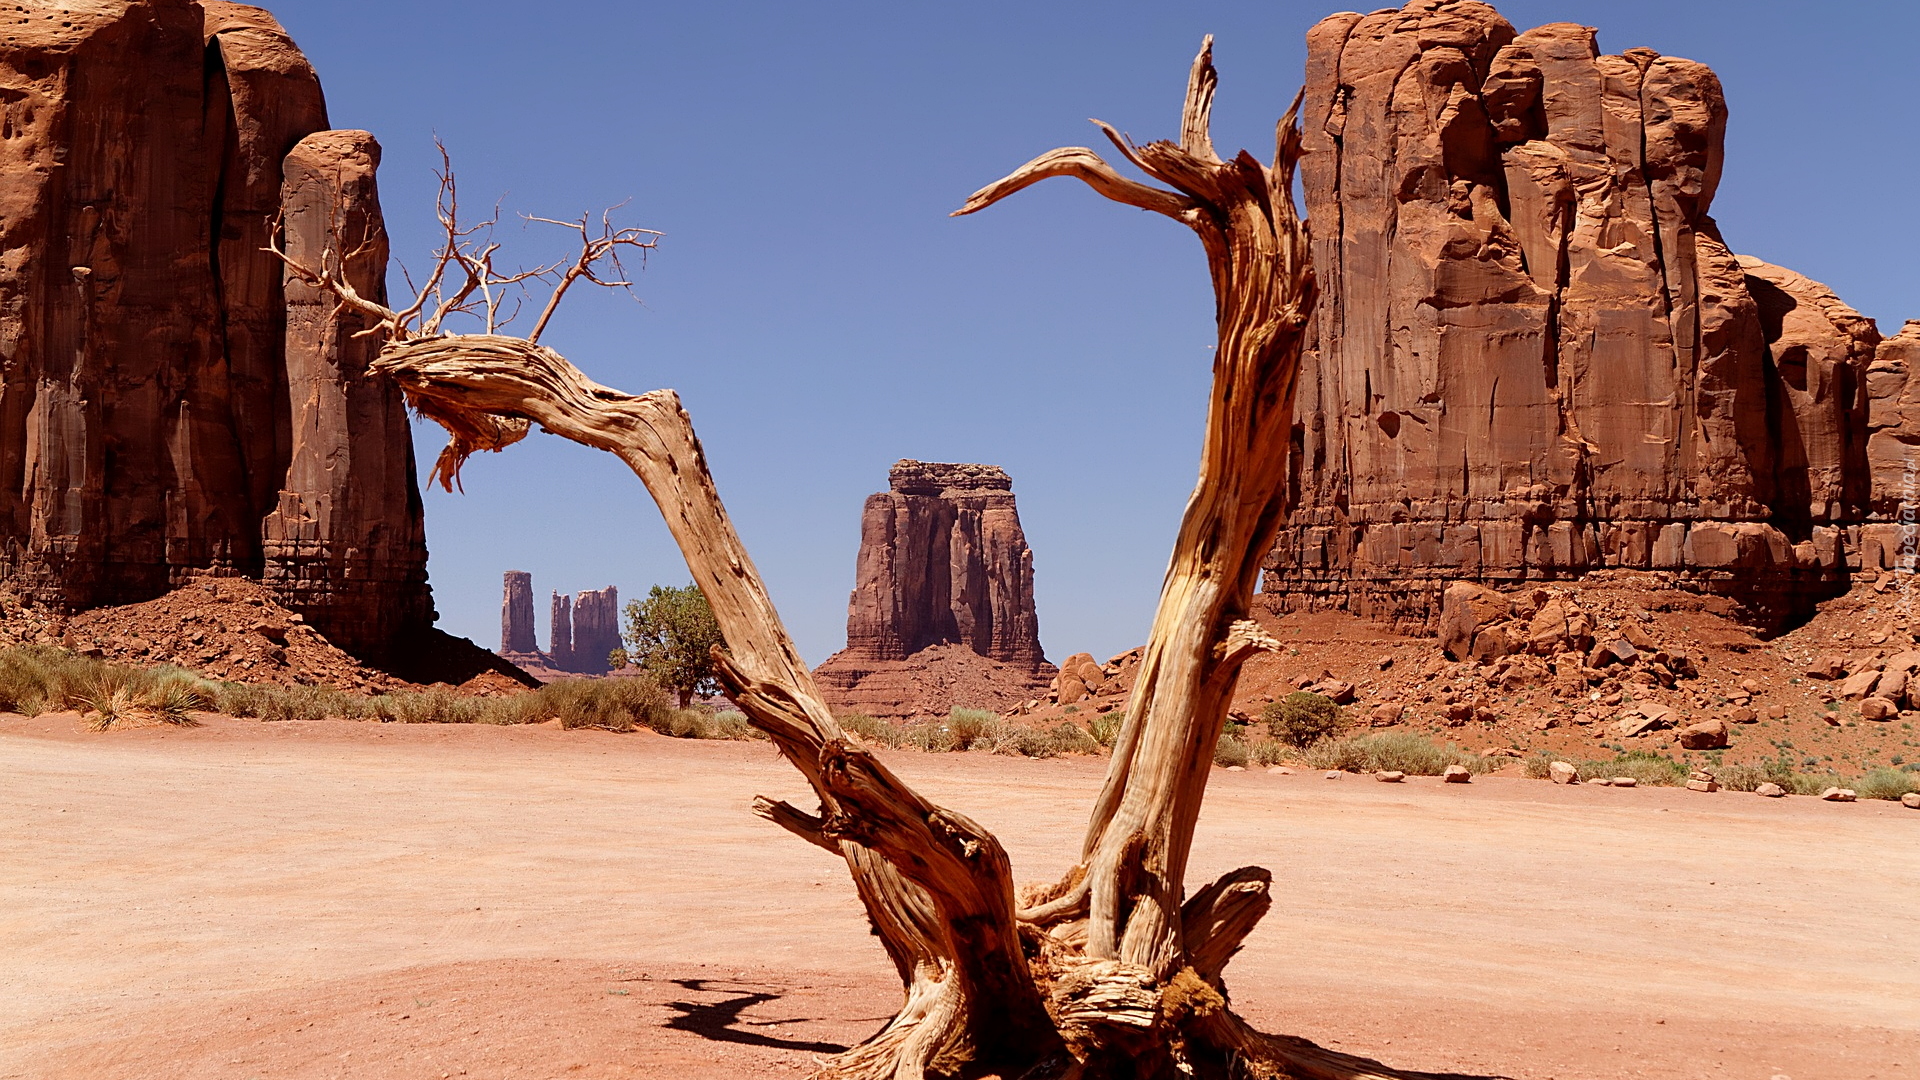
pixel 307 900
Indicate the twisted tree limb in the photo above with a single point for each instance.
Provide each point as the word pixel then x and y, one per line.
pixel 1113 972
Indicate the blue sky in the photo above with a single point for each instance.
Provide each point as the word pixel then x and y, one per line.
pixel 822 316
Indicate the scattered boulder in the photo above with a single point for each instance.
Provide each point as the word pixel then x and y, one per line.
pixel 1743 715
pixel 1770 791
pixel 1859 684
pixel 1279 770
pixel 1457 774
pixel 1333 774
pixel 1892 685
pixel 1911 800
pixel 1828 668
pixel 1339 691
pixel 1561 772
pixel 1625 781
pixel 1700 780
pixel 1386 714
pixel 1602 781
pixel 1390 776
pixel 1617 651
pixel 1467 609
pixel 1878 708
pixel 1706 735
pixel 1839 794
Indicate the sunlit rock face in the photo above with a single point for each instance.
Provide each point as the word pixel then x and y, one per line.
pixel 171 404
pixel 1534 356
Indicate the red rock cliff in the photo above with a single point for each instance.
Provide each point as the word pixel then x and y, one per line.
pixel 162 413
pixel 943 568
pixel 1535 355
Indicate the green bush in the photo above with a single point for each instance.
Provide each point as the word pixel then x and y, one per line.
pixel 1885 784
pixel 1302 718
pixel 1229 751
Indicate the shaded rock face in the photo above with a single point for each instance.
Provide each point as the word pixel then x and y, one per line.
pixel 560 632
pixel 1534 356
pixel 516 613
pixel 169 404
pixel 943 562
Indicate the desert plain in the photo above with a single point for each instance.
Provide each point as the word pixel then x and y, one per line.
pixel 332 899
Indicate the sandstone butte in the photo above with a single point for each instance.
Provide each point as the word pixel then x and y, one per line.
pixel 583 629
pixel 942 608
pixel 172 405
pixel 1535 356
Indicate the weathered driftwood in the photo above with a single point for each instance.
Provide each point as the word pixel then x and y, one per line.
pixel 1112 971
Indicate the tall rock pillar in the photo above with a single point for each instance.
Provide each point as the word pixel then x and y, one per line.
pixel 516 613
pixel 347 541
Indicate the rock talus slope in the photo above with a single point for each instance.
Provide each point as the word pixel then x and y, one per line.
pixel 943 562
pixel 1534 355
pixel 163 412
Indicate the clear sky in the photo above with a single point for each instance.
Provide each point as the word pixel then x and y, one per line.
pixel 822 316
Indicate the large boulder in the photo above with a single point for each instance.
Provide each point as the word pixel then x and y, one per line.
pixel 1466 611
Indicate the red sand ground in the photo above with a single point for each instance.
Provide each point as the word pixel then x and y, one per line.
pixel 309 900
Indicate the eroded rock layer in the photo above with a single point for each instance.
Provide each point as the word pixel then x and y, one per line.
pixel 943 562
pixel 1534 354
pixel 163 412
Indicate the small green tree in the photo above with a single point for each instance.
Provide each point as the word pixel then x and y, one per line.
pixel 1302 718
pixel 670 635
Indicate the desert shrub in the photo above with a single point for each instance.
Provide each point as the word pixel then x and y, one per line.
pixel 1402 751
pixel 732 724
pixel 36 678
pixel 1813 783
pixel 609 704
pixel 239 699
pixel 1302 718
pixel 1229 751
pixel 870 730
pixel 973 726
pixel 1750 777
pixel 932 736
pixel 1105 727
pixel 1070 738
pixel 1884 784
pixel 1268 751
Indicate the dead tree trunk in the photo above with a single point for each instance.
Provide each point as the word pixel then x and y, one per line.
pixel 1113 972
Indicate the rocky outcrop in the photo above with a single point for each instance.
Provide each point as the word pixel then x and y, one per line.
pixel 943 562
pixel 560 632
pixel 596 628
pixel 1893 453
pixel 163 413
pixel 582 630
pixel 1534 356
pixel 516 614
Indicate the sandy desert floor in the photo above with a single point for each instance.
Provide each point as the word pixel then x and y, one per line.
pixel 298 901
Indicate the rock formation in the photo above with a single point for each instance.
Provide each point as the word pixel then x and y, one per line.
pixel 581 630
pixel 170 405
pixel 596 628
pixel 560 632
pixel 942 562
pixel 1893 453
pixel 1535 356
pixel 516 614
